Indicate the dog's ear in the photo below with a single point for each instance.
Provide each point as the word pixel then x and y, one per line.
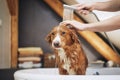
pixel 48 38
pixel 74 36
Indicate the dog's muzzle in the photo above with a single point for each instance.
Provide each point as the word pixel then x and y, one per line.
pixel 56 44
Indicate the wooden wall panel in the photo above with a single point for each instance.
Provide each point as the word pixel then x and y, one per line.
pixel 14 41
pixel 13 9
pixel 12 6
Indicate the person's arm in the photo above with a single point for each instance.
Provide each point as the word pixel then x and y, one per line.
pixel 111 5
pixel 110 24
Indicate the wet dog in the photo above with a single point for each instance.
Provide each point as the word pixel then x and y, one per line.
pixel 70 57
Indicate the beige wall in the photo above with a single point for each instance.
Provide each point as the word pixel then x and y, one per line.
pixel 5 36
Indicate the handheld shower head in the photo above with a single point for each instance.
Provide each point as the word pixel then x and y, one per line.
pixel 69 7
pixel 68 12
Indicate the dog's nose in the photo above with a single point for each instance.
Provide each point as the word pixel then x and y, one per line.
pixel 56 44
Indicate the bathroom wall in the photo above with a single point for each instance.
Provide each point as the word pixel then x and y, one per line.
pixel 36 19
pixel 5 36
pixel 89 1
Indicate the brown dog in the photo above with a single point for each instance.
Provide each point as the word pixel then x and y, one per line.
pixel 70 57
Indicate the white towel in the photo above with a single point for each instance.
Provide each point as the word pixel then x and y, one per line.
pixel 29 65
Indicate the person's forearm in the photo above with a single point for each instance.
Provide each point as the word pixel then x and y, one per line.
pixel 106 25
pixel 112 5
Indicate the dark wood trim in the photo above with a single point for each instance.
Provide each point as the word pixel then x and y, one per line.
pixel 12 6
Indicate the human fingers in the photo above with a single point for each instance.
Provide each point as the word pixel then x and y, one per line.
pixel 84 7
pixel 76 5
pixel 67 23
pixel 85 12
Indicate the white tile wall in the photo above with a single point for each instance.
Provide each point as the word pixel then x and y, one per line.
pixel 5 36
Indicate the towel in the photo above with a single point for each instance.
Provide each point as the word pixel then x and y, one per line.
pixel 30 50
pixel 34 62
pixel 29 65
pixel 23 59
pixel 30 55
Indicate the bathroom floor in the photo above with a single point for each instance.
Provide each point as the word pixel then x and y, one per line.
pixel 7 74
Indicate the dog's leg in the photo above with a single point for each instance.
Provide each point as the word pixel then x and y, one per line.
pixel 63 71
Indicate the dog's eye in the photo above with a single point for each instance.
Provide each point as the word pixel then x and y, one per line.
pixel 53 33
pixel 63 33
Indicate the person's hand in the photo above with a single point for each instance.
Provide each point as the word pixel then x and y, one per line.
pixel 74 24
pixel 84 8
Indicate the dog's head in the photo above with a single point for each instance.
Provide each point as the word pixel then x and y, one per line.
pixel 61 36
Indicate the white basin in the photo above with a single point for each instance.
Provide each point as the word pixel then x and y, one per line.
pixel 52 74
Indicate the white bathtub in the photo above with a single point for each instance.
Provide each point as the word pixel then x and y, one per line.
pixel 52 74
